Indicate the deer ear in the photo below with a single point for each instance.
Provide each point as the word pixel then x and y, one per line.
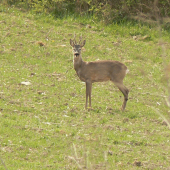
pixel 71 42
pixel 83 43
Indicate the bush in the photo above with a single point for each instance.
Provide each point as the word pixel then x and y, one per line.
pixel 108 11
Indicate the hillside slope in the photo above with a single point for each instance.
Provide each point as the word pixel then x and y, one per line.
pixel 42 117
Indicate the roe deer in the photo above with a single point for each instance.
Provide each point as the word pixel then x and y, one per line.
pixel 98 71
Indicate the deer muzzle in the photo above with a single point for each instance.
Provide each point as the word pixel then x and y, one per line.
pixel 76 54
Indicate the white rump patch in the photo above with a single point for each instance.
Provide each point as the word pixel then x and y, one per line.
pixel 127 71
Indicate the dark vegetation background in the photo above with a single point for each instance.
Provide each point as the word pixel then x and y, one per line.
pixel 109 11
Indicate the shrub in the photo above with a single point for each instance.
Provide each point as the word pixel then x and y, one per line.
pixel 108 11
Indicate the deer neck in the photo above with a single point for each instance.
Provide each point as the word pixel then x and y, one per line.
pixel 78 63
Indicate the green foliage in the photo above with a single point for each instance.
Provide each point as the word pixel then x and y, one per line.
pixel 106 11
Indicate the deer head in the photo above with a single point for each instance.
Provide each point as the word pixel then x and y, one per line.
pixel 77 46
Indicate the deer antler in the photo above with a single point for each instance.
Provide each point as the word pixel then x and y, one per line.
pixel 75 39
pixel 80 39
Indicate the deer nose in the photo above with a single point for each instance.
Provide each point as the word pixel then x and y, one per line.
pixel 76 54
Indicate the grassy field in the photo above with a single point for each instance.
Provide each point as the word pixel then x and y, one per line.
pixel 43 125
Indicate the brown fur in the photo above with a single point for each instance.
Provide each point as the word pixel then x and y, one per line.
pixel 98 71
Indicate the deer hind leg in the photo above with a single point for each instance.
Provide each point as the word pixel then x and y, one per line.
pixel 88 94
pixel 125 92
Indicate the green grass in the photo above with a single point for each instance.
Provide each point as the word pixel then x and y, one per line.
pixel 44 125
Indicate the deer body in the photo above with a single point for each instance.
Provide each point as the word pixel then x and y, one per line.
pixel 98 71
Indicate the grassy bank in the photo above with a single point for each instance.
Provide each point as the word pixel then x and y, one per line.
pixel 44 124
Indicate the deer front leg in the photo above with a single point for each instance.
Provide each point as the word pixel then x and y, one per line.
pixel 88 93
